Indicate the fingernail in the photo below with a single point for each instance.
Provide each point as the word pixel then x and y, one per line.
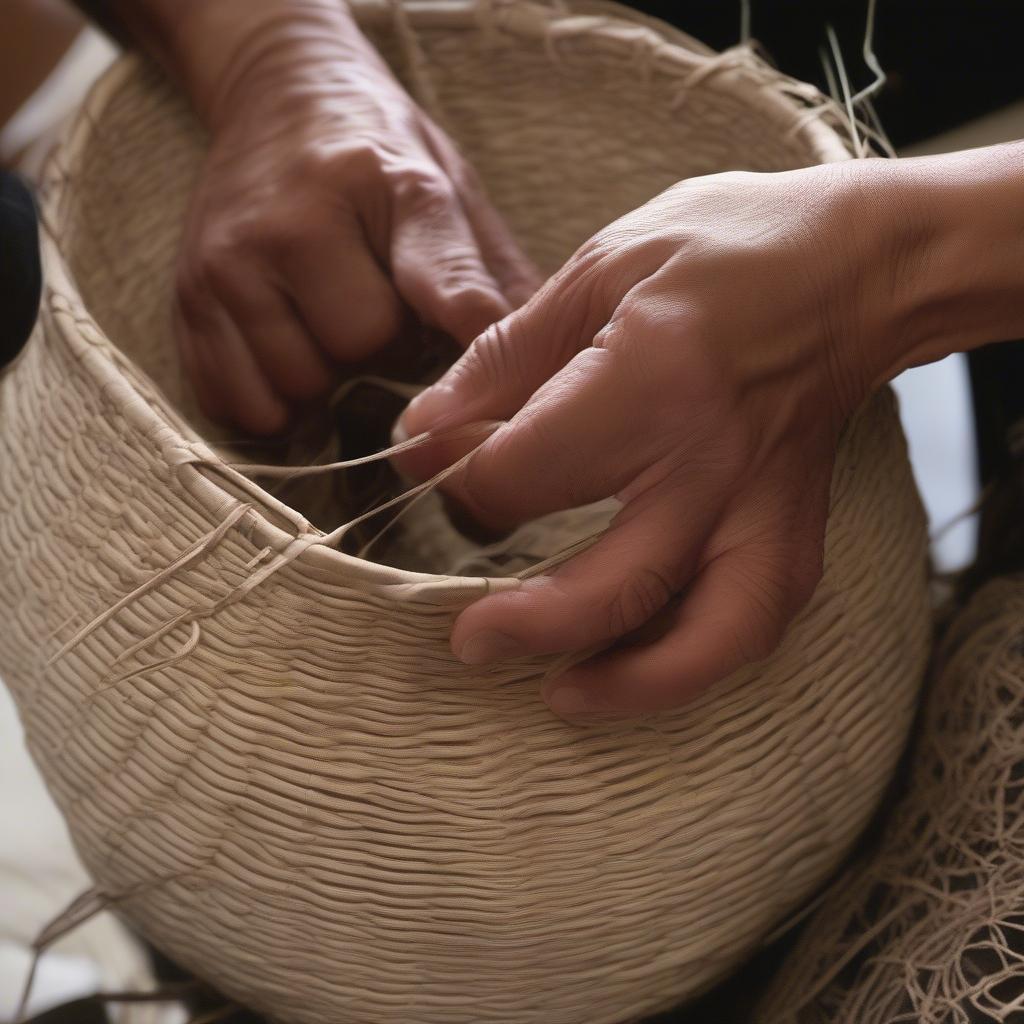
pixel 427 408
pixel 489 646
pixel 569 701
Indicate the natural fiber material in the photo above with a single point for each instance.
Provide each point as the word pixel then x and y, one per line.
pixel 266 752
pixel 929 928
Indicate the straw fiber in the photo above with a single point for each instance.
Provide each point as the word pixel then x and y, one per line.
pixel 929 928
pixel 267 755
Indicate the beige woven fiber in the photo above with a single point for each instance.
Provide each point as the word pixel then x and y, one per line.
pixel 264 749
pixel 929 927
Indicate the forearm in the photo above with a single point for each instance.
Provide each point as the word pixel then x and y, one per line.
pixel 209 46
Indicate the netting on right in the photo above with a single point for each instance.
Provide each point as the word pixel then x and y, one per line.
pixel 930 927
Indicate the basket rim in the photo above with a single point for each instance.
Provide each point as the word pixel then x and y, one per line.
pixel 615 31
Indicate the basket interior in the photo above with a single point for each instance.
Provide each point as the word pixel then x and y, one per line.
pixel 565 138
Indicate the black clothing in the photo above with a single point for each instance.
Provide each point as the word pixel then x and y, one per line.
pixel 946 61
pixel 20 275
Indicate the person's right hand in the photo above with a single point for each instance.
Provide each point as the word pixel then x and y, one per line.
pixel 330 211
pixel 697 359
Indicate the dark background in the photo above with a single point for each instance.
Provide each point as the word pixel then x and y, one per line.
pixel 946 62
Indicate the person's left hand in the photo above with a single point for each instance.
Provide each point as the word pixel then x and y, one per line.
pixel 330 214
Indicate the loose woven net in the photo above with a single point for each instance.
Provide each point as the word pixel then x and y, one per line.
pixel 929 927
pixel 268 757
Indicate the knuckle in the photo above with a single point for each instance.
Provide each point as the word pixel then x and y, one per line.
pixel 579 285
pixel 595 254
pixel 215 260
pixel 326 164
pixel 638 338
pixel 602 244
pixel 459 271
pixel 361 166
pixel 425 190
pixel 641 595
pixel 300 240
pixel 489 363
pixel 627 250
pixel 315 164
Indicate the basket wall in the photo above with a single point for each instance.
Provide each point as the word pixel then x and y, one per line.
pixel 273 764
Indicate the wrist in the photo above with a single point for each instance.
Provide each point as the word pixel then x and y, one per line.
pixel 949 246
pixel 972 289
pixel 228 52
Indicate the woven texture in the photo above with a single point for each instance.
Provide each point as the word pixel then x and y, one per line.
pixel 265 751
pixel 929 929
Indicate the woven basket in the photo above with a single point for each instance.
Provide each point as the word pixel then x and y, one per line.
pixel 265 751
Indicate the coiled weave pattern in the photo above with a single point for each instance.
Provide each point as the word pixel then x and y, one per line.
pixel 928 926
pixel 265 751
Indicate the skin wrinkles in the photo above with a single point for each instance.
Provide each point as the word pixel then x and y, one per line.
pixel 330 214
pixel 698 357
pixel 746 316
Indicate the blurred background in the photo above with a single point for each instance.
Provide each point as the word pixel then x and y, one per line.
pixel 953 82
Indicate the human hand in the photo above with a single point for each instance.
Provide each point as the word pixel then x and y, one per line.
pixel 329 210
pixel 697 359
